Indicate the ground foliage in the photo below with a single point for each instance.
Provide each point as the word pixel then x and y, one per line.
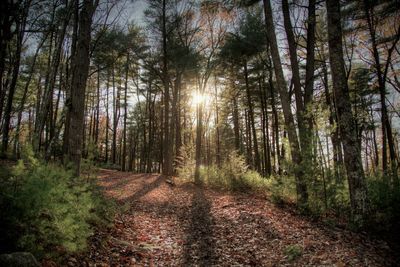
pixel 47 211
pixel 188 225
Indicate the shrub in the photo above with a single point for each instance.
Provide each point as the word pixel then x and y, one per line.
pixel 293 252
pixel 385 202
pixel 55 209
pixel 46 209
pixel 108 165
pixel 233 175
pixel 283 189
pixel 185 164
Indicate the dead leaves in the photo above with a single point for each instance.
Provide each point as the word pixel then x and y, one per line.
pixel 183 225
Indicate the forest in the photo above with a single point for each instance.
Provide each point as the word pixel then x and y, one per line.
pixel 199 132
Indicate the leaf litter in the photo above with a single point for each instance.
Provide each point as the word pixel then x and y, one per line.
pixel 187 225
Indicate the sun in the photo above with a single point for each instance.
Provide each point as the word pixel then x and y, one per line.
pixel 198 98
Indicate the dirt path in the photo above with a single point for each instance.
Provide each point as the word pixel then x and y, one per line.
pixel 185 225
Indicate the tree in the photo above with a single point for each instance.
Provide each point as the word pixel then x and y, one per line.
pixel 9 15
pixel 20 21
pixel 51 75
pixel 304 125
pixel 214 21
pixel 285 101
pixel 80 70
pixel 239 49
pixel 387 135
pixel 352 153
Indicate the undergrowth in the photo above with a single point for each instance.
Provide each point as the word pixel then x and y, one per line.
pixel 233 175
pixel 48 211
pixel 293 252
pixel 328 193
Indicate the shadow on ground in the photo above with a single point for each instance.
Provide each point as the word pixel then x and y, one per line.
pixel 147 188
pixel 121 182
pixel 199 245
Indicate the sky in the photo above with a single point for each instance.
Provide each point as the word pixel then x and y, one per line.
pixel 133 11
pixel 129 11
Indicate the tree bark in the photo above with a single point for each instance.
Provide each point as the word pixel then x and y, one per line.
pixel 265 130
pixel 309 88
pixel 9 11
pixel 217 130
pixel 236 127
pixel 352 153
pixel 387 135
pixel 310 63
pixel 20 25
pixel 301 186
pixel 68 78
pixel 249 150
pixel 45 108
pixel 251 118
pixel 96 134
pixel 305 134
pixel 123 166
pixel 80 70
pixel 276 124
pixel 167 148
pixel 175 127
pixel 25 94
pixel 115 118
pixel 199 136
pixel 107 117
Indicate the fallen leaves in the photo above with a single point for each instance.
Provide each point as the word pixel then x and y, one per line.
pixel 184 225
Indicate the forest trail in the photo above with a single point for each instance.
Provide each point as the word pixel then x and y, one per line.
pixel 186 225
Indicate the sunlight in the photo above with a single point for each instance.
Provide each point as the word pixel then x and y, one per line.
pixel 198 98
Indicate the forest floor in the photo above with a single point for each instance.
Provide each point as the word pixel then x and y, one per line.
pixel 188 225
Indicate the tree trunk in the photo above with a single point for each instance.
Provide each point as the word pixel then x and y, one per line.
pixel 152 130
pixel 178 133
pixel 96 136
pixel 107 116
pixel 9 11
pixel 249 154
pixel 24 96
pixel 175 127
pixel 309 88
pixel 236 127
pixel 276 123
pixel 251 120
pixel 80 70
pixel 11 91
pixel 352 153
pixel 310 63
pixel 301 185
pixel 125 113
pixel 68 78
pixel 199 136
pixel 217 131
pixel 167 148
pixel 334 134
pixel 45 108
pixel 387 135
pixel 305 134
pixel 115 119
pixel 265 130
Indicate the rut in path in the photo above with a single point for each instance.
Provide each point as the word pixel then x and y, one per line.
pixel 186 225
